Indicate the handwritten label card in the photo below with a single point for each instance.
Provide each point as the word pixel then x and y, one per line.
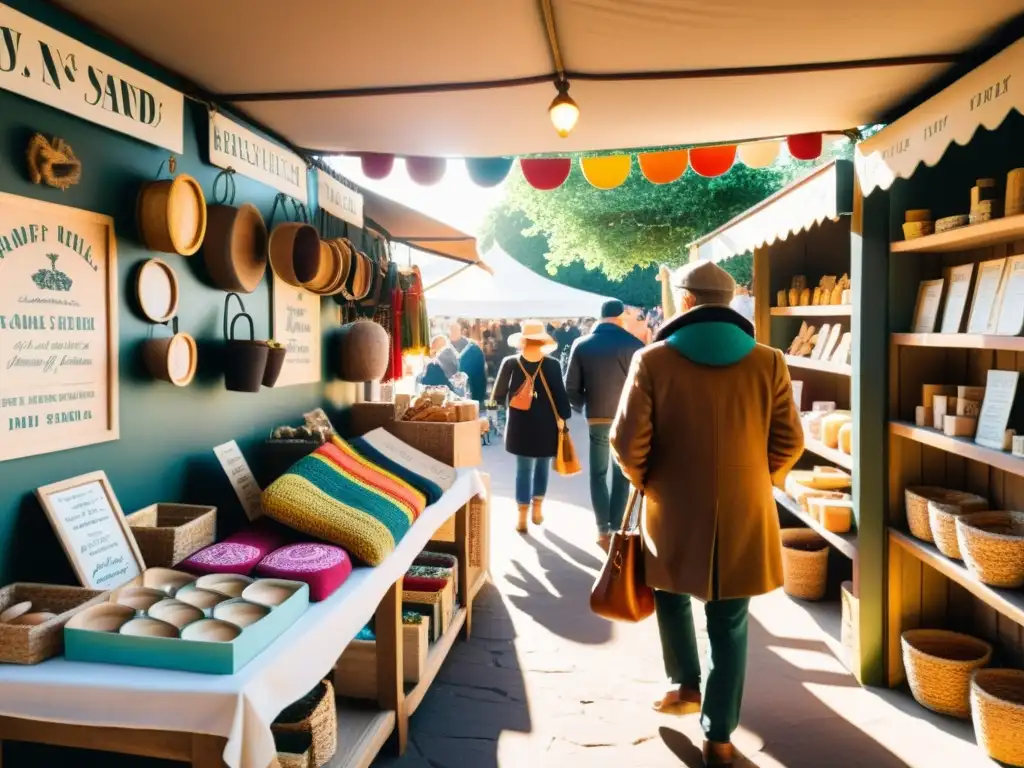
pixel 986 294
pixel 1011 311
pixel 241 478
pixel 295 315
pixel 956 298
pixel 1000 393
pixel 408 456
pixel 88 521
pixel 929 296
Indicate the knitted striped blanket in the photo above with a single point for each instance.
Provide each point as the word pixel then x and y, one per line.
pixel 425 485
pixel 346 501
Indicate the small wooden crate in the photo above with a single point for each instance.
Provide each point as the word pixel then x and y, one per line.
pixel 23 644
pixel 444 599
pixel 355 674
pixel 169 533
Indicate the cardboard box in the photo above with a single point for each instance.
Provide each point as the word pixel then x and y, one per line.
pixel 366 417
pixel 355 674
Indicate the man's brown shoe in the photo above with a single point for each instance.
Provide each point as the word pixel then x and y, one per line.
pixel 677 702
pixel 719 753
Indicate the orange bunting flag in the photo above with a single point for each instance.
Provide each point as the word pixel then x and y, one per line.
pixel 663 167
pixel 712 161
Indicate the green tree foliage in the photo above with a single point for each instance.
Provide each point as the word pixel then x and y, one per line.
pixel 612 241
pixel 741 267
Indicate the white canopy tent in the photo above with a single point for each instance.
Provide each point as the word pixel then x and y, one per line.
pixel 510 291
pixel 474 78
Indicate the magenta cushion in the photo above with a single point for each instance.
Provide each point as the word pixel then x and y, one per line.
pixel 239 553
pixel 323 566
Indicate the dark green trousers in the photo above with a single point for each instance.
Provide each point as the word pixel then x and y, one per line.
pixel 722 695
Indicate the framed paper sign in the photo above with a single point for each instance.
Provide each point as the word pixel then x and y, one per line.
pixel 295 319
pixel 88 520
pixel 926 311
pixel 58 328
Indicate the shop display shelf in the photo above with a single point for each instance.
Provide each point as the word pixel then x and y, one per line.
pixel 846 543
pixel 435 658
pixel 362 733
pixel 828 310
pixel 1008 602
pixel 823 366
pixel 959 341
pixel 994 232
pixel 961 446
pixel 837 457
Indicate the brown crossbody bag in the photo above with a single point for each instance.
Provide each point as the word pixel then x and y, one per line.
pixel 567 462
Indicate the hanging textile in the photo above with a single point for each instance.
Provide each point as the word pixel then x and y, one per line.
pixel 545 173
pixel 805 146
pixel 760 154
pixel 377 166
pixel 488 171
pixel 606 172
pixel 712 161
pixel 415 323
pixel 395 370
pixel 426 171
pixel 663 167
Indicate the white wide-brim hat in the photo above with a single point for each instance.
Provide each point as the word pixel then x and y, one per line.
pixel 533 330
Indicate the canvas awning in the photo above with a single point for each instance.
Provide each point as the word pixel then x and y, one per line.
pixel 980 99
pixel 474 79
pixel 417 230
pixel 827 193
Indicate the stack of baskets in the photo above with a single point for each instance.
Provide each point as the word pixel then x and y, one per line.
pixel 927 503
pixel 804 564
pixel 313 714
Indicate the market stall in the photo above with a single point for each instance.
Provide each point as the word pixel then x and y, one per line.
pixel 800 238
pixel 943 231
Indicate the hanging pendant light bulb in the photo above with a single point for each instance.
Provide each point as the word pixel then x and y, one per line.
pixel 563 110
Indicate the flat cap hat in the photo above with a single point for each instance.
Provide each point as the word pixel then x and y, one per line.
pixel 703 276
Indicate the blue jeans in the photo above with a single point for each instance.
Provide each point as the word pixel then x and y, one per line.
pixel 531 478
pixel 608 506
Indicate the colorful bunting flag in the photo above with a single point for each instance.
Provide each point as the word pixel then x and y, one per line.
pixel 545 173
pixel 712 161
pixel 663 167
pixel 606 172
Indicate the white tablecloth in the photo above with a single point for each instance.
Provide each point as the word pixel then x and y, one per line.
pixel 239 707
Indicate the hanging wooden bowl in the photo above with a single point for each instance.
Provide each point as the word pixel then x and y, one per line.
pixel 173 359
pixel 341 266
pixel 235 248
pixel 295 252
pixel 327 270
pixel 363 278
pixel 172 215
pixel 156 290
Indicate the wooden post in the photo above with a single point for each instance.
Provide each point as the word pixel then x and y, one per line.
pixel 462 552
pixel 207 751
pixel 869 275
pixel 390 680
pixel 762 295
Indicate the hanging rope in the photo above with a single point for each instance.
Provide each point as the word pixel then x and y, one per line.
pixel 556 52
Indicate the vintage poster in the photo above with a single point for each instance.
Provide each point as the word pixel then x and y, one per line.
pixel 58 328
pixel 295 314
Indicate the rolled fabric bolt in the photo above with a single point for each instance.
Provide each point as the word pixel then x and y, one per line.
pixel 924 416
pixel 959 426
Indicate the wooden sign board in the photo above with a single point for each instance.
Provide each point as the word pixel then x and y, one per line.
pixel 295 314
pixel 58 328
pixel 88 520
pixel 926 312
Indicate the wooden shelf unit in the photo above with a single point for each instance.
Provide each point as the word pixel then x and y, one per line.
pixel 828 310
pixel 832 455
pixel 821 366
pixel 969 238
pixel 960 446
pixel 845 543
pixel 959 341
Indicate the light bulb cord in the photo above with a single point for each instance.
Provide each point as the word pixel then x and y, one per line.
pixel 556 52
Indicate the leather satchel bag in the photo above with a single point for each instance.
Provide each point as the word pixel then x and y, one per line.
pixel 567 461
pixel 525 395
pixel 620 593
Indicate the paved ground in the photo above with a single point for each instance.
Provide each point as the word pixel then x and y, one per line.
pixel 546 683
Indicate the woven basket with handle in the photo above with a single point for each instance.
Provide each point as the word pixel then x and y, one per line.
pixel 314 714
pixel 804 563
pixel 997 708
pixel 992 546
pixel 939 665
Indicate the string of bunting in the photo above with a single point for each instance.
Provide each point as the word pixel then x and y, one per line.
pixel 605 171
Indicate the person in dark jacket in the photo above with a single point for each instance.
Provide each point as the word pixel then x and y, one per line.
pixel 435 373
pixel 531 435
pixel 471 362
pixel 594 378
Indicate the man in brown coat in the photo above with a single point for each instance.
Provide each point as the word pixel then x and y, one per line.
pixel 706 421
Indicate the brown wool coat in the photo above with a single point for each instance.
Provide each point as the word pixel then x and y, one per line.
pixel 705 443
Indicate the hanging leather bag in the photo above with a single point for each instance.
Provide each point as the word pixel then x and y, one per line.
pixel 567 461
pixel 525 395
pixel 620 593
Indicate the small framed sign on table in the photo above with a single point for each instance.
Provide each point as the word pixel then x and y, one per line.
pixel 88 520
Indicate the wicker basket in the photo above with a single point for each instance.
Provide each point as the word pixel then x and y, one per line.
pixel 992 545
pixel 169 533
pixel 294 750
pixel 804 563
pixel 997 708
pixel 919 498
pixel 942 517
pixel 939 665
pixel 314 714
pixel 31 644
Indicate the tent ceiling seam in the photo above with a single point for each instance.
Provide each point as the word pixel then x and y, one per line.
pixel 681 74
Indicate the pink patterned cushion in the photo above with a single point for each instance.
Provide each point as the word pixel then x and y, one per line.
pixel 237 554
pixel 323 566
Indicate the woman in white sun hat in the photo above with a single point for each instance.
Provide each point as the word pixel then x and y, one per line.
pixel 530 385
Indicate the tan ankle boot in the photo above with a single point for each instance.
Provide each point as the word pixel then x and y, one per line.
pixel 538 510
pixel 719 753
pixel 524 511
